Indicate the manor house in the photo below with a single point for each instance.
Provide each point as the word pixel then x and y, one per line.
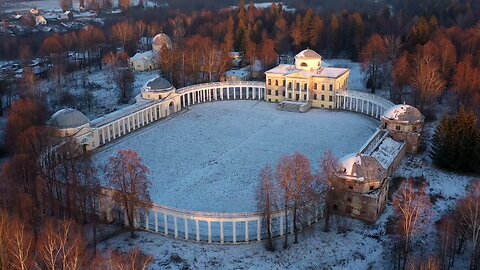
pixel 307 82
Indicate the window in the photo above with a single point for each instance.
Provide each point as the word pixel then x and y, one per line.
pixel 323 87
pixel 289 85
pixel 330 98
pixel 371 187
pixel 331 87
pixel 283 82
pixel 283 93
pixel 335 207
pixel 269 81
pixel 350 187
pixel 269 91
pixel 323 97
pixel 330 106
pixel 305 87
pixel 323 106
pixel 298 86
pixel 349 199
pixel 303 64
pixel 315 96
pixel 276 92
pixel 304 97
pixel 397 127
pixel 289 95
pixel 276 82
pixel 315 86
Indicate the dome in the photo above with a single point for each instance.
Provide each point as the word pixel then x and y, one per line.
pixel 159 85
pixel 308 54
pixel 404 113
pixel 161 40
pixel 362 167
pixel 67 118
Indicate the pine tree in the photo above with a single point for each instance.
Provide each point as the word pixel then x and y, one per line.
pixel 456 143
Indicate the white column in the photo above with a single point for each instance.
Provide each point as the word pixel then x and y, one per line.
pixel 103 135
pixel 185 220
pixel 228 92
pixel 188 99
pixel 209 232
pixel 108 133
pixel 281 225
pixel 234 93
pixel 221 232
pixel 138 120
pixel 221 93
pixel 234 226
pixel 308 91
pixel 246 231
pixel 259 229
pixel 165 223
pixel 175 226
pixel 253 92
pixel 197 230
pixel 147 226
pixel 156 221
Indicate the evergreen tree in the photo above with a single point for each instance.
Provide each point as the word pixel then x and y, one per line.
pixel 456 143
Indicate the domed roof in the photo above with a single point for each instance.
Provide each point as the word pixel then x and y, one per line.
pixel 161 40
pixel 404 113
pixel 158 85
pixel 308 54
pixel 362 167
pixel 67 118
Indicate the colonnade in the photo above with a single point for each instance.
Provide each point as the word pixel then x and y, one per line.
pixel 361 102
pixel 222 228
pixel 119 124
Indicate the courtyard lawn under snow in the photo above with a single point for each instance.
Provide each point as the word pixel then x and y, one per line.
pixel 208 158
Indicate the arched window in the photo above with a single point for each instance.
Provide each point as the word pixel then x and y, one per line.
pixel 303 64
pixel 269 82
pixel 276 82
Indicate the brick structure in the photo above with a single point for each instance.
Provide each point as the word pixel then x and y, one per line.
pixel 360 188
pixel 404 123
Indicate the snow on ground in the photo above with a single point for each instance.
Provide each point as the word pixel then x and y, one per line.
pixel 316 250
pixel 54 5
pixel 356 81
pixel 105 93
pixel 208 158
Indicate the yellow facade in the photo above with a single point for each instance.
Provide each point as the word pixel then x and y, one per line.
pixel 317 85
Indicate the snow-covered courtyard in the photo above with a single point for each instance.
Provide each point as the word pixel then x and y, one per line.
pixel 208 158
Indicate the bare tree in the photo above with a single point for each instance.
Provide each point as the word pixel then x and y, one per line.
pixel 20 246
pixel 62 245
pixel 448 241
pixel 267 201
pixel 125 33
pixel 303 192
pixel 373 57
pixel 426 81
pixel 125 4
pixel 413 212
pixel 329 165
pixel 469 219
pixel 128 177
pixel 66 4
pixel 284 178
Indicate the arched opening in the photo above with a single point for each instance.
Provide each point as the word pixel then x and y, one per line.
pixel 303 64
pixel 171 108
